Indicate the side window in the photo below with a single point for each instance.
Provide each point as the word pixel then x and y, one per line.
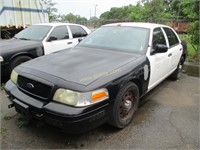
pixel 60 32
pixel 77 31
pixel 172 38
pixel 158 37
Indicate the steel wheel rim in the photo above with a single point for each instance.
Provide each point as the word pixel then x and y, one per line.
pixel 127 105
pixel 180 67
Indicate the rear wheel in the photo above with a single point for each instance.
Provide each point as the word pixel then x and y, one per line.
pixel 125 105
pixel 18 60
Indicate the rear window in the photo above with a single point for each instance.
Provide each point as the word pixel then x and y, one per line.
pixel 172 38
pixel 77 31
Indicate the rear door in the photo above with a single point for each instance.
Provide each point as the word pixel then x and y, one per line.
pixel 78 33
pixel 61 40
pixel 175 48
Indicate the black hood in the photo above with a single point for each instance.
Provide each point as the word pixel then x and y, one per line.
pixel 13 45
pixel 79 65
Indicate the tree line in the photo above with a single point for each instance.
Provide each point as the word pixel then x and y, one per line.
pixel 161 11
pixel 144 11
pixel 153 10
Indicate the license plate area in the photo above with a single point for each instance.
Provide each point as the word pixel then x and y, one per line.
pixel 22 108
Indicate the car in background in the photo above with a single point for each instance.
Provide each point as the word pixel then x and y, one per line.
pixel 38 40
pixel 100 80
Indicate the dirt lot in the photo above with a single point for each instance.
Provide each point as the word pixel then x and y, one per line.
pixel 168 119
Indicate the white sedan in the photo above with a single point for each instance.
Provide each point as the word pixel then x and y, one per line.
pixel 38 40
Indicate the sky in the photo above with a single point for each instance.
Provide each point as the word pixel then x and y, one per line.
pixel 86 8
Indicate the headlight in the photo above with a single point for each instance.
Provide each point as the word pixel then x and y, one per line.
pixel 14 76
pixel 1 58
pixel 79 99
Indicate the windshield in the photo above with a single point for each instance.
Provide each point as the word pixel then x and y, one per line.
pixel 35 32
pixel 118 38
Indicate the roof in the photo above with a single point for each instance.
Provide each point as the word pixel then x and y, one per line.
pixel 137 24
pixel 57 24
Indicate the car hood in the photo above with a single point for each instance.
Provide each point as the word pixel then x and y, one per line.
pixel 17 44
pixel 79 65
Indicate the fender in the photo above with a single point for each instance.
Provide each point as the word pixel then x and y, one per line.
pixel 185 52
pixel 33 53
pixel 136 76
pixel 140 76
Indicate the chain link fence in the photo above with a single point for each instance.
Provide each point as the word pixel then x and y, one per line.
pixel 179 25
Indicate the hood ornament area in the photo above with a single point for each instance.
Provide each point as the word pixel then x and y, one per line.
pixel 30 85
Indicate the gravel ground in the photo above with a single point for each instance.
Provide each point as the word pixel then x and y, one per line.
pixel 167 119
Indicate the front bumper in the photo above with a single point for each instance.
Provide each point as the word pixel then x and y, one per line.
pixel 66 118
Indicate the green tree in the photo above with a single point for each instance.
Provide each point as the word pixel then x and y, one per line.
pixel 155 10
pixel 146 10
pixel 137 13
pixel 105 15
pixel 190 9
pixel 72 18
pixel 51 10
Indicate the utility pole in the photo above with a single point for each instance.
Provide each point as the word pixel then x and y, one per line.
pixel 90 13
pixel 95 9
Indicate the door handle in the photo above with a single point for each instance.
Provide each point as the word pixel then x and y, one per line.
pixel 69 42
pixel 170 54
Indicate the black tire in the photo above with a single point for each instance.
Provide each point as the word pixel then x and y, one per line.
pixel 125 105
pixel 18 60
pixel 177 73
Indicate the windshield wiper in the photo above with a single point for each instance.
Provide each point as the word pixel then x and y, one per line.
pixel 24 39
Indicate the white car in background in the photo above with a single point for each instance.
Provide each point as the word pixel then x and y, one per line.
pixel 63 35
pixel 38 40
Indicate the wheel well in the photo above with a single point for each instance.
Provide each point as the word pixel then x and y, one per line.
pixel 137 82
pixel 26 54
pixel 184 57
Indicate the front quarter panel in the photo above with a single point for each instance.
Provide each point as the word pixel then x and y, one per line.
pixel 137 71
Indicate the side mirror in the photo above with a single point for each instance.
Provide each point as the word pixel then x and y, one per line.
pixel 80 39
pixel 160 48
pixel 52 38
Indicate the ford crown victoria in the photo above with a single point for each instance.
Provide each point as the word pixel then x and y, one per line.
pixel 100 80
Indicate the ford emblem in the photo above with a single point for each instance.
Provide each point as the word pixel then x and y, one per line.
pixel 30 85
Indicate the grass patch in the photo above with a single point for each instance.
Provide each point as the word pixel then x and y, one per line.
pixel 193 55
pixel 3 130
pixel 22 122
pixel 6 116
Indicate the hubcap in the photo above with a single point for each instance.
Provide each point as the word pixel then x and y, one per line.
pixel 179 70
pixel 127 104
pixel 180 67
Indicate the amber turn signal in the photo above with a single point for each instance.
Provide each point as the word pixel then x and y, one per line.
pixel 99 95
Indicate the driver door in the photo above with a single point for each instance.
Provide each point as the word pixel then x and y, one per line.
pixel 60 40
pixel 160 62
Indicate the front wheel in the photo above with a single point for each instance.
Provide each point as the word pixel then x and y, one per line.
pixel 177 73
pixel 125 105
